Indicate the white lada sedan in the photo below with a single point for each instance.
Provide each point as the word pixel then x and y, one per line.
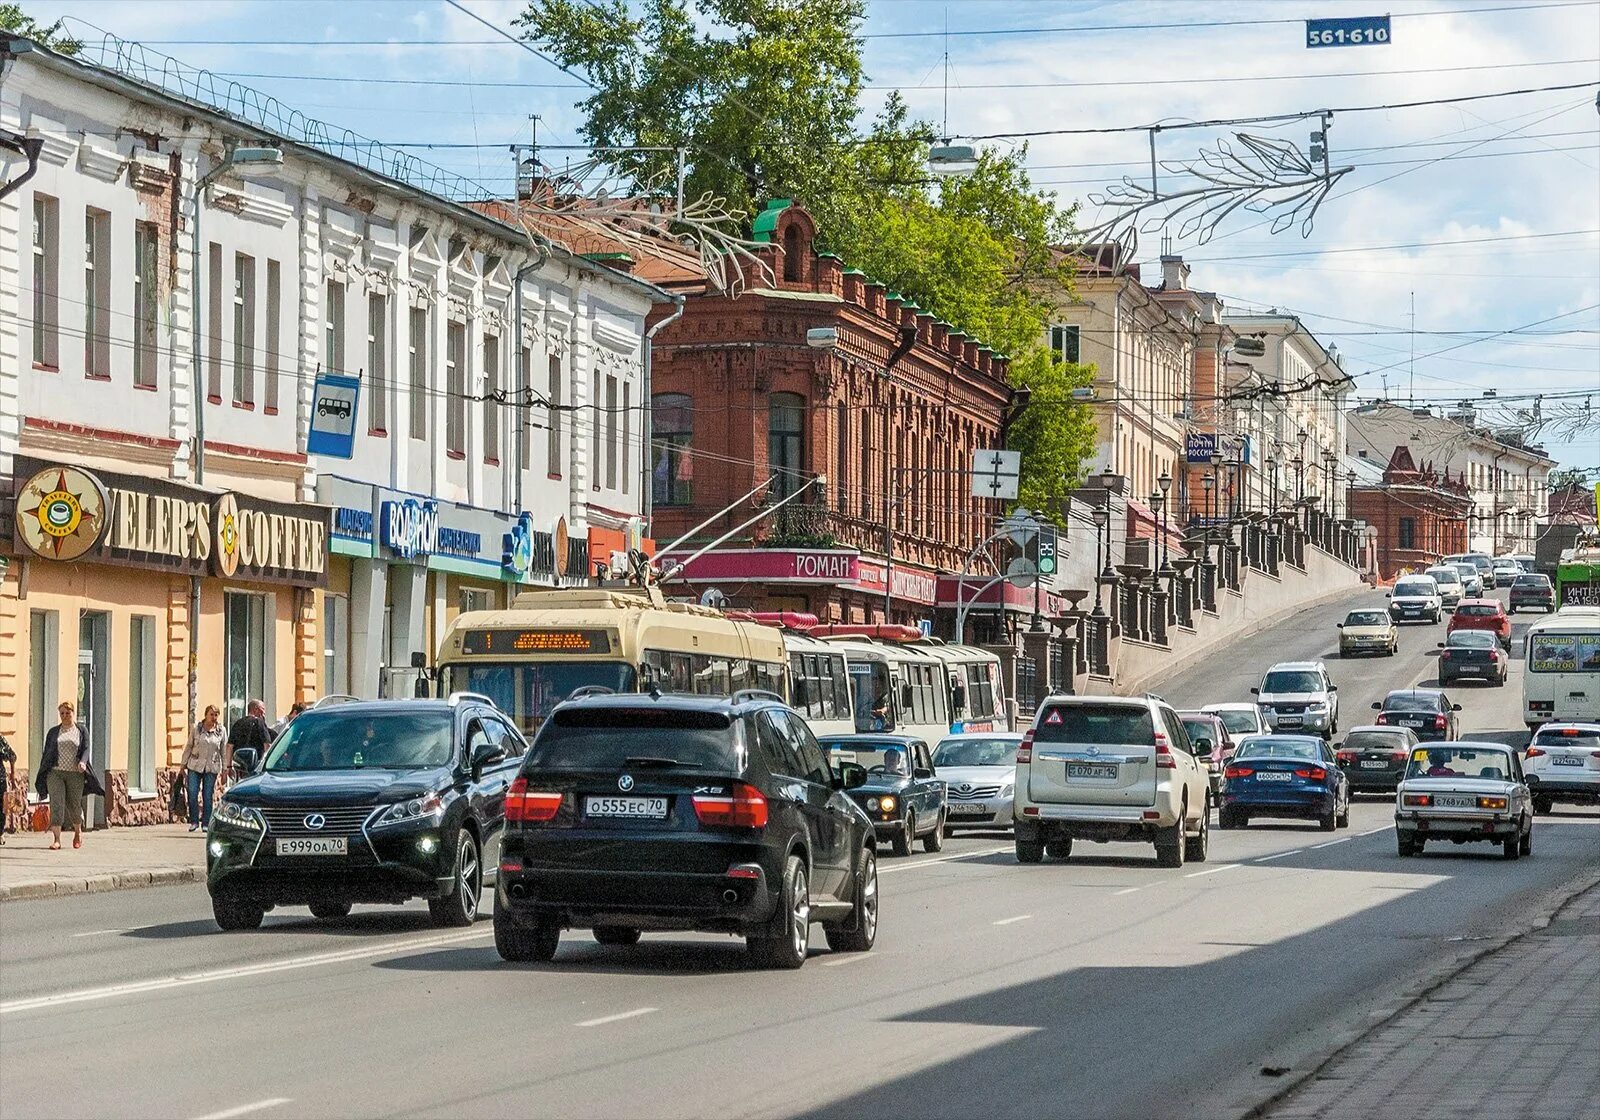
pixel 1464 793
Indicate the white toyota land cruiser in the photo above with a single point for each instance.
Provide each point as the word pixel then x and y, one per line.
pixel 1108 768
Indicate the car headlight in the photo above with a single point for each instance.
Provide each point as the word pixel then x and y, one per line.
pixel 238 816
pixel 427 807
pixel 887 804
pixel 872 804
pixel 1006 792
pixel 1317 706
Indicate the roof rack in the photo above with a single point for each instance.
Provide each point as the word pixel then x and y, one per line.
pixel 745 695
pixel 591 690
pixel 334 698
pixel 475 697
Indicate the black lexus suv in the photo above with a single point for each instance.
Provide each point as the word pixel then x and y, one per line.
pixel 668 812
pixel 367 801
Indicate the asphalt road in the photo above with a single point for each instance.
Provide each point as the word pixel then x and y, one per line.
pixel 1101 986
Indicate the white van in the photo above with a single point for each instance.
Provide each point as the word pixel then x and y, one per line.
pixel 1562 681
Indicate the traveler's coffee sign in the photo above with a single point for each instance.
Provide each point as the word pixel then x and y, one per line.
pixel 67 513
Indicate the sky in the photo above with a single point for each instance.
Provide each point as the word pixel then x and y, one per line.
pixel 1484 215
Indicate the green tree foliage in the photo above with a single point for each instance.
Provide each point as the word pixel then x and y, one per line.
pixel 765 96
pixel 13 18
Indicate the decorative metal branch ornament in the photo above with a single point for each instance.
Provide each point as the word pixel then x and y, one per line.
pixel 1256 174
pixel 647 217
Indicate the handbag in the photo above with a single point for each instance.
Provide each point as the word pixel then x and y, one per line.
pixel 178 800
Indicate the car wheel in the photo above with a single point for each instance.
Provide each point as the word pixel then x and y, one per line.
pixel 934 841
pixel 783 943
pixel 616 935
pixel 1197 847
pixel 1343 819
pixel 863 928
pixel 524 943
pixel 1526 846
pixel 1059 849
pixel 1170 842
pixel 1511 848
pixel 907 836
pixel 1407 846
pixel 1030 849
pixel 1328 821
pixel 459 907
pixel 236 914
pixel 1227 819
pixel 1543 805
pixel 329 911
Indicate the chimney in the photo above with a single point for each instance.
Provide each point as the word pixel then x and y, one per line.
pixel 1174 274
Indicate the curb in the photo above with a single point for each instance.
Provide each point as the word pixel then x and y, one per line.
pixel 117 881
pixel 1541 920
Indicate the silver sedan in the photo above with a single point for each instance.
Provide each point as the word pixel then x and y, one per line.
pixel 979 771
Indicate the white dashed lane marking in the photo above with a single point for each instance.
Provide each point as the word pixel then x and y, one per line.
pixel 604 1019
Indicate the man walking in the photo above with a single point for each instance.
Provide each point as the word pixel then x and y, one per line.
pixel 249 730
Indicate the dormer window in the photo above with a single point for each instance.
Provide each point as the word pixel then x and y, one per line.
pixel 792 250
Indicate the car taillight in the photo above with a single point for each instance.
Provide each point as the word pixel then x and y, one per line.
pixel 742 807
pixel 1025 751
pixel 1238 772
pixel 1444 655
pixel 1383 717
pixel 1398 756
pixel 1347 756
pixel 1494 655
pixel 1315 773
pixel 1164 758
pixel 1534 752
pixel 535 805
pixel 1440 723
pixel 1420 799
pixel 1491 803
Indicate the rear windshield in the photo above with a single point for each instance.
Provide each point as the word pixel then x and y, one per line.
pixel 1473 639
pixel 1530 580
pixel 1458 762
pixel 1264 747
pixel 1416 587
pixel 1444 575
pixel 617 738
pixel 1478 610
pixel 1106 725
pixel 1468 571
pixel 1292 680
pixel 1571 737
pixel 1366 618
pixel 1239 721
pixel 1369 740
pixel 1410 702
pixel 976 752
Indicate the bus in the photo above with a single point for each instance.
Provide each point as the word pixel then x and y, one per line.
pixel 903 682
pixel 819 684
pixel 1562 681
pixel 977 698
pixel 1578 574
pixel 550 643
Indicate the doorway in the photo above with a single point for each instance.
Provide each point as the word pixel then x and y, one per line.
pixel 94 709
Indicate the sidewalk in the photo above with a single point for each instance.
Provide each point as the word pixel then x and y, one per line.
pixel 110 859
pixel 1514 1034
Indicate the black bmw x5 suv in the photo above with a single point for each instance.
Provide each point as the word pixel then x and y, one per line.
pixel 651 812
pixel 370 801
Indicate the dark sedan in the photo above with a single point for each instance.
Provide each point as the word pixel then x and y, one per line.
pixel 903 795
pixel 1473 653
pixel 1374 758
pixel 1293 776
pixel 1426 711
pixel 1532 591
pixel 372 801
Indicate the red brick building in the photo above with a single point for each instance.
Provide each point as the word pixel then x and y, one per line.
pixel 890 408
pixel 1417 515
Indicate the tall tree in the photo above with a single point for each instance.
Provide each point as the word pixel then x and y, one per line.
pixel 764 95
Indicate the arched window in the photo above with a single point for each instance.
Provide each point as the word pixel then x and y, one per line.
pixel 792 250
pixel 671 443
pixel 786 432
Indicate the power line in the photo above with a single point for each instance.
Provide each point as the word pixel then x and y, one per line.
pixel 1400 245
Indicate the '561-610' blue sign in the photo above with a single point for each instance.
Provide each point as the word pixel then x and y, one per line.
pixel 1358 31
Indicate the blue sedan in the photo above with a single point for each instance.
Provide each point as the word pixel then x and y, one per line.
pixel 1284 776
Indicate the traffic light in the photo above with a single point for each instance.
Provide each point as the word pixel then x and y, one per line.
pixel 1044 545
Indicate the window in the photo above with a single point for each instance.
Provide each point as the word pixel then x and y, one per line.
pixel 378 364
pixel 96 293
pixel 1064 343
pixel 627 434
pixel 244 330
pixel 841 476
pixel 274 333
pixel 146 305
pixel 476 599
pixel 46 281
pixel 333 329
pixel 455 387
pixel 864 479
pixel 791 253
pixel 596 448
pixel 142 703
pixel 553 464
pixel 524 420
pixel 1408 532
pixel 214 315
pixel 491 407
pixel 785 433
pixel 417 353
pixel 611 432
pixel 43 683
pixel 245 653
pixel 336 650
pixel 671 441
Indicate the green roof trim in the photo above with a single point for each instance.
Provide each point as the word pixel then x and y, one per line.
pixel 606 257
pixel 829 257
pixel 854 272
pixel 766 223
pixel 893 295
pixel 921 314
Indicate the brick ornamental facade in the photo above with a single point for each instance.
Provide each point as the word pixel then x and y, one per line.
pixel 1416 515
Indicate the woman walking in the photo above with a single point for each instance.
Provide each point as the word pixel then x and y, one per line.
pixel 202 763
pixel 64 775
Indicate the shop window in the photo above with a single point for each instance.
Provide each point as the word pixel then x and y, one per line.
pixel 146 303
pixel 46 281
pixel 455 387
pixel 417 355
pixel 785 441
pixel 244 329
pixel 336 650
pixel 142 704
pixel 94 695
pixel 377 375
pixel 671 442
pixel 1408 532
pixel 96 293
pixel 274 345
pixel 246 650
pixel 44 688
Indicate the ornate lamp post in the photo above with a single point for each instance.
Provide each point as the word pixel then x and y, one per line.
pixel 1102 519
pixel 1165 483
pixel 1209 481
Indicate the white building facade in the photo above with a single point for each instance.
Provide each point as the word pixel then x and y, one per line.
pixel 498 439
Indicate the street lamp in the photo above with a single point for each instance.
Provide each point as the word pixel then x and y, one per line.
pixel 247 161
pixel 1299 465
pixel 1272 499
pixel 1165 482
pixel 1102 519
pixel 1209 481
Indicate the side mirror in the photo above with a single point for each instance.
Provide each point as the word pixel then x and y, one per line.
pixel 849 775
pixel 908 697
pixel 1439 644
pixel 1338 626
pixel 1255 692
pixel 1202 745
pixel 245 760
pixel 1387 595
pixel 1455 707
pixel 1333 688
pixel 1377 706
pixel 487 754
pixel 799 691
pixel 419 659
pixel 958 699
pixel 922 772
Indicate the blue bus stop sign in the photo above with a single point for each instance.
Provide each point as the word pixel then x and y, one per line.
pixel 333 416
